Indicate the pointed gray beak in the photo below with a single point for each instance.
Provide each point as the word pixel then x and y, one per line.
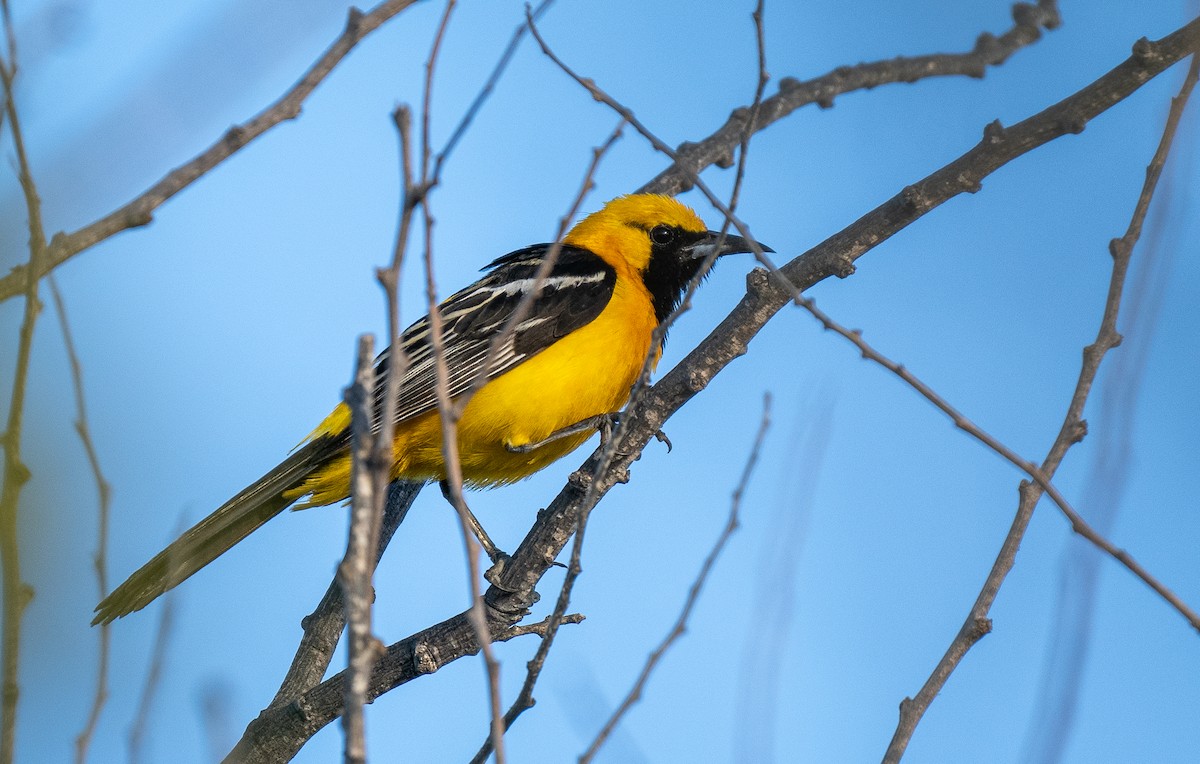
pixel 730 245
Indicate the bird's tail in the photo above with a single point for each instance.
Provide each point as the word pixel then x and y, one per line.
pixel 212 536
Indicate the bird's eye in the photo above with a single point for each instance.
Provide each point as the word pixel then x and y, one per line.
pixel 662 235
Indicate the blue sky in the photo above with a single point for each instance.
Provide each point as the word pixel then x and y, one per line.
pixel 215 338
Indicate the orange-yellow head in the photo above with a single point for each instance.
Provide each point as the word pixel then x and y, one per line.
pixel 656 239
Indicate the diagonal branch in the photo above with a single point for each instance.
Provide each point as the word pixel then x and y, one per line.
pixel 140 211
pixel 1039 475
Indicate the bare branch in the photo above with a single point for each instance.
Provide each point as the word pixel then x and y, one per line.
pixel 731 525
pixel 16 593
pixel 989 50
pixel 1073 429
pixel 323 627
pixel 140 211
pixel 357 568
pixel 104 499
pixel 1078 524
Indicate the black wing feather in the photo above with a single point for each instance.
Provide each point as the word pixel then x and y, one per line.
pixel 576 290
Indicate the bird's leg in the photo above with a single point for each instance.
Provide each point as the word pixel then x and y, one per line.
pixel 601 422
pixel 493 552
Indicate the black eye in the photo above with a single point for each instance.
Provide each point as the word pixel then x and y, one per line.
pixel 662 235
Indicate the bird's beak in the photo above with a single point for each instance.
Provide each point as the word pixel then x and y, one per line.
pixel 730 245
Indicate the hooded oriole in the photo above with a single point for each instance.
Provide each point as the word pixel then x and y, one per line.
pixel 619 274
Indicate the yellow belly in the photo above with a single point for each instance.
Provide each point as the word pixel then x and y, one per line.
pixel 586 373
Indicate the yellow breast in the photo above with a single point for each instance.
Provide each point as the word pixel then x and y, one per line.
pixel 588 372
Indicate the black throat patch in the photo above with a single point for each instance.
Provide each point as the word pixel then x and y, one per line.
pixel 669 272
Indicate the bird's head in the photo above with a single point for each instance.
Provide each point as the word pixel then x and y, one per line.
pixel 657 239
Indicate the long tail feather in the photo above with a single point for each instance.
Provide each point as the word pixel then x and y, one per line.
pixel 215 534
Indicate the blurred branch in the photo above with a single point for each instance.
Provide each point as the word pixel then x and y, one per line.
pixel 1073 429
pixel 677 631
pixel 769 647
pixel 140 211
pixel 158 658
pixel 16 593
pixel 507 600
pixel 104 497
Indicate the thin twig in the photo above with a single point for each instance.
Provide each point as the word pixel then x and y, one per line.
pixel 677 631
pixel 533 668
pixel 476 105
pixel 357 568
pixel 541 628
pixel 1039 475
pixel 1105 487
pixel 322 627
pixel 524 699
pixel 447 411
pixel 140 211
pixel 104 497
pixel 154 673
pixel 16 593
pixel 1073 429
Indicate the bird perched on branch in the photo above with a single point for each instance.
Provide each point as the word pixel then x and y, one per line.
pixel 586 332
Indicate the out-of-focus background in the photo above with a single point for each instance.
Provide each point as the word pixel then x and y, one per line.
pixel 213 340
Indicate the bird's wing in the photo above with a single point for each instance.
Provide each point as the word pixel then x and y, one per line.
pixel 573 293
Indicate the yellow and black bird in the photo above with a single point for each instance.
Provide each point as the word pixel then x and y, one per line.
pixel 573 357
